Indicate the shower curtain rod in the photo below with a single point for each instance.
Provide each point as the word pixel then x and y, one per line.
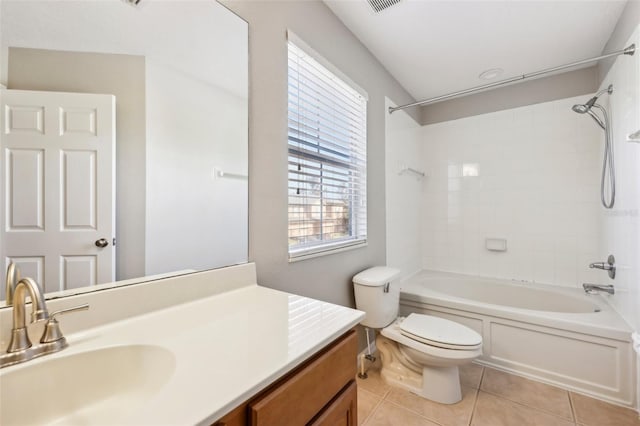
pixel 627 51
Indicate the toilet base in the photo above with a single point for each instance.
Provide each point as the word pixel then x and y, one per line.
pixel 439 384
pixel 442 384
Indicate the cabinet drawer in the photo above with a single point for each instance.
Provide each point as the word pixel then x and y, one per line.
pixel 342 411
pixel 298 399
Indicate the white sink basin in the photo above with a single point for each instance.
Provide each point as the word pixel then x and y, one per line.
pixel 96 387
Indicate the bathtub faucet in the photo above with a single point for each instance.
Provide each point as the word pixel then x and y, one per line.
pixel 595 288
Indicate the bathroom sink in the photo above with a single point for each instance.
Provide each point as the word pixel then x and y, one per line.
pixel 94 387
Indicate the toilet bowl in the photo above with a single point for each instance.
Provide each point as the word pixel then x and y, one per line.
pixel 420 353
pixel 423 365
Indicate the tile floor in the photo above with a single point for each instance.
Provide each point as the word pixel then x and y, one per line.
pixel 489 398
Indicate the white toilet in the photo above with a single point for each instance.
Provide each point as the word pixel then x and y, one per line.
pixel 420 353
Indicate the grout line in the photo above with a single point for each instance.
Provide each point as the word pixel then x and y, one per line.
pixel 415 412
pixel 573 417
pixel 383 396
pixel 374 409
pixel 484 369
pixel 388 391
pixel 475 401
pixel 549 413
pixel 573 409
pixel 473 409
pixel 432 420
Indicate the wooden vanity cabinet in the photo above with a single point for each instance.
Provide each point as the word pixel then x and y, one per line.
pixel 322 391
pixel 342 410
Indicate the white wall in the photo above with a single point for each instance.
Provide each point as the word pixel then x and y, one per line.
pixel 403 149
pixel 621 225
pixel 193 128
pixel 537 185
pixel 328 277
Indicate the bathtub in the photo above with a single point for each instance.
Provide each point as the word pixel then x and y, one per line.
pixel 556 335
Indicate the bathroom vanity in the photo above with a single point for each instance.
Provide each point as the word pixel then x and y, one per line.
pixel 207 348
pixel 320 392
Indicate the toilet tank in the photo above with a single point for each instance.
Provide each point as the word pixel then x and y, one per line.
pixel 377 292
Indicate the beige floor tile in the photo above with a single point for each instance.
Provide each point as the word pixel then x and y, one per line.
pixel 367 402
pixel 495 411
pixel 592 412
pixel 533 394
pixel 374 383
pixel 445 414
pixel 389 414
pixel 470 375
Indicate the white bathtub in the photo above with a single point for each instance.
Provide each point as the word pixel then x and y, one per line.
pixel 557 335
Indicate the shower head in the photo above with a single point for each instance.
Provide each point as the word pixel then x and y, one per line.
pixel 586 107
pixel 580 108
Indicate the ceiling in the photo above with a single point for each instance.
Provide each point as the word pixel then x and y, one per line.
pixel 435 47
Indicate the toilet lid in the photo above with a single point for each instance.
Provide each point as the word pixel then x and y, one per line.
pixel 439 332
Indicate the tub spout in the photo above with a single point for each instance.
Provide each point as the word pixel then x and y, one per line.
pixel 596 288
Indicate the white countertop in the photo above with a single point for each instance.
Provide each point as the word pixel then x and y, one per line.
pixel 227 348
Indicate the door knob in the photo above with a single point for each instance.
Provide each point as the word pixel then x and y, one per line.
pixel 102 242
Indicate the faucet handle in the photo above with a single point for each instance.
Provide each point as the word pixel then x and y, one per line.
pixel 609 266
pixel 52 331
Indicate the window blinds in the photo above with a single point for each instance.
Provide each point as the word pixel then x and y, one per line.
pixel 327 158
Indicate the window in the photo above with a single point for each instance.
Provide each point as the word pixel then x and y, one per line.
pixel 327 140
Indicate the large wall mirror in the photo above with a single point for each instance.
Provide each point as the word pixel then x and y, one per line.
pixel 124 140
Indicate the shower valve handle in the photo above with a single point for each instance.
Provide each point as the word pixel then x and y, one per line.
pixel 609 266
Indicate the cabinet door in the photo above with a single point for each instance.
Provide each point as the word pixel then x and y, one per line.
pixel 238 417
pixel 342 411
pixel 298 399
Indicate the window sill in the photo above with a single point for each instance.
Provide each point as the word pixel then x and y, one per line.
pixel 326 250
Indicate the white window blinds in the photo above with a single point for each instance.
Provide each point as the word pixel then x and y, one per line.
pixel 327 141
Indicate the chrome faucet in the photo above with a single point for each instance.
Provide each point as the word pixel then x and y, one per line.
pixel 13 276
pixel 609 266
pixel 596 288
pixel 20 348
pixel 19 336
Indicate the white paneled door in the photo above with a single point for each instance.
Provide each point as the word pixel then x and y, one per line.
pixel 58 187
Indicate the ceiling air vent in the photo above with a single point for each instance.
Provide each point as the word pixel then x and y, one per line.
pixel 380 5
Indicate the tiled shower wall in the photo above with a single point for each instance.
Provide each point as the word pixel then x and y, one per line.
pixel 530 175
pixel 403 150
pixel 621 225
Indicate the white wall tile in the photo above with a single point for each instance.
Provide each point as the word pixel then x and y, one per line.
pixel 404 218
pixel 537 186
pixel 621 225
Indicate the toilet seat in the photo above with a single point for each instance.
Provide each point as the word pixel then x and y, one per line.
pixel 393 332
pixel 439 332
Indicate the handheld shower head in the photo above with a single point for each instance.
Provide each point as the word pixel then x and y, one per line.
pixel 586 107
pixel 608 168
pixel 580 108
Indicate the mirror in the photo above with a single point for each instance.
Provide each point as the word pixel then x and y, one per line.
pixel 177 72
